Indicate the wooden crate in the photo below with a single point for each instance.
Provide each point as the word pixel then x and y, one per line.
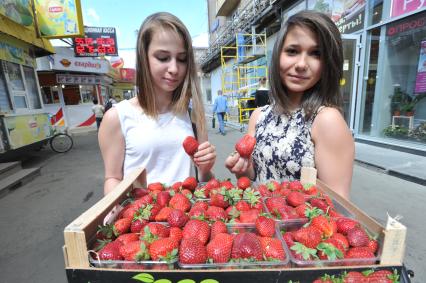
pixel 81 230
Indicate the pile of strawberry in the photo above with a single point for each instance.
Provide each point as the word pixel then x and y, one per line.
pixel 324 238
pixel 292 200
pixel 367 276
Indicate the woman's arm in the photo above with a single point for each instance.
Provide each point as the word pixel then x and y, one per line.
pixel 334 150
pixel 243 166
pixel 111 143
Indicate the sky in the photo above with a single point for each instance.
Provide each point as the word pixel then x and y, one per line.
pixel 127 16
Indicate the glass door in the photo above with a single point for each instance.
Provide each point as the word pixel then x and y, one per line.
pixel 348 84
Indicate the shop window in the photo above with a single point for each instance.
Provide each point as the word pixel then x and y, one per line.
pixel 375 11
pixel 4 98
pixel 71 94
pixel 50 94
pixel 397 100
pixel 32 88
pixel 88 93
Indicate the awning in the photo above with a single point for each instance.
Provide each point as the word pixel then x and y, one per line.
pixel 42 47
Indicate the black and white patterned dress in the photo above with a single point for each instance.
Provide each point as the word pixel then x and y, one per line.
pixel 283 145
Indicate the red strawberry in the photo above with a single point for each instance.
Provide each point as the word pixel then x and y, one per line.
pixel 359 252
pixel 157 186
pixel 190 183
pixel 163 214
pixel 263 190
pixel 217 228
pixel 243 183
pixel 295 198
pixel 212 184
pixel 242 205
pixel 143 201
pixel 177 218
pixel 138 192
pixel 176 233
pixel 179 201
pixel 287 212
pixel 176 187
pixel 272 248
pixel 274 203
pixel 137 225
pixel 383 276
pixel 218 199
pixel 247 245
pixel 319 203
pixel 196 229
pixel 190 145
pixel 295 186
pixel 104 232
pixel 288 238
pixel 308 236
pixel 164 249
pixel 310 189
pixel 192 251
pixel 121 226
pixel 345 224
pixel 249 216
pixel 373 245
pixel 215 213
pixel 158 229
pixel 129 211
pixel 354 277
pixel 330 249
pixel 341 239
pixel 134 251
pixel 301 210
pixel 326 225
pixel 357 237
pixel 127 238
pixel 111 251
pixel 245 146
pixel 227 184
pixel 220 247
pixel 163 198
pixel 200 204
pixel 265 226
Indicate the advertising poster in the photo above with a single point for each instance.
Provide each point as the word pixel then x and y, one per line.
pixel 27 129
pixel 401 7
pixel 18 11
pixel 15 51
pixel 421 70
pixel 59 18
pixel 97 41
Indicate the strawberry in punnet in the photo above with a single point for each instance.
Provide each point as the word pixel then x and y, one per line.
pixel 301 252
pixel 345 224
pixel 195 228
pixel 138 193
pixel 243 183
pixel 217 198
pixel 274 203
pixel 212 184
pixel 357 237
pixel 186 193
pixel 373 245
pixel 215 213
pixel 247 246
pixel 177 218
pixel 137 225
pixel 310 189
pixel 163 198
pixel 359 252
pixel 134 251
pixel 220 247
pixel 263 190
pixel 104 232
pixel 157 186
pixel 272 248
pixel 152 210
pixel 320 204
pixel 143 201
pixel 325 224
pixel 354 277
pixel 325 279
pixel 121 226
pixel 164 249
pixel 179 201
pixel 190 183
pixel 192 251
pixel 176 233
pixel 265 226
pixel 242 205
pixel 296 198
pixel 245 146
pixel 190 145
pixel 295 186
pixel 273 186
pixel 249 216
pixel 200 204
pixel 217 228
pixel 127 238
pixel 328 250
pixel 288 238
pixel 176 187
pixel 158 229
pixel 382 276
pixel 163 214
pixel 110 251
pixel 308 236
pixel 287 213
pixel 197 213
pixel 227 184
pixel 341 239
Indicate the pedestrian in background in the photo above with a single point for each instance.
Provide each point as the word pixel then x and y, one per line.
pixel 99 111
pixel 149 129
pixel 220 107
pixel 261 96
pixel 304 126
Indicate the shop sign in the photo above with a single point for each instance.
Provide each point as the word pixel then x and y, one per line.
pixel 18 11
pixel 421 70
pixel 406 25
pixel 59 19
pixel 401 7
pixel 97 41
pixel 128 74
pixel 88 65
pixel 27 129
pixel 13 51
pixel 351 20
pixel 77 79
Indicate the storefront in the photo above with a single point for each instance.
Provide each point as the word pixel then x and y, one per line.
pixel 384 83
pixel 70 84
pixel 23 118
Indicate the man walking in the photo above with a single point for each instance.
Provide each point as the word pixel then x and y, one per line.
pixel 221 108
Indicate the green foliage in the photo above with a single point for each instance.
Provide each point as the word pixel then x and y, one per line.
pixel 395 131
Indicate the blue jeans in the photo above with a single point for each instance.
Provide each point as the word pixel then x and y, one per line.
pixel 220 116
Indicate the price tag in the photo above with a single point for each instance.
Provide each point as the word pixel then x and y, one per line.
pixel 394 242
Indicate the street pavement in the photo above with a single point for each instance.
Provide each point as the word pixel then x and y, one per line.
pixel 34 216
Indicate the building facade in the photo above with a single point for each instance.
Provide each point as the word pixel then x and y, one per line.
pixel 384 84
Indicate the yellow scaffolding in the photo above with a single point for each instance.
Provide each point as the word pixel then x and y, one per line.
pixel 242 67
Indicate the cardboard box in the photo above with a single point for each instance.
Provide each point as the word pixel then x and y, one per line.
pixel 78 233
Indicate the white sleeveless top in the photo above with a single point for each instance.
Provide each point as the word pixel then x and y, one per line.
pixel 155 145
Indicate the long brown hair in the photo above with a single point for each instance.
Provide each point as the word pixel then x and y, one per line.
pixel 327 90
pixel 188 89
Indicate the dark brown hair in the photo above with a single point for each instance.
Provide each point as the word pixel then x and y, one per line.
pixel 327 90
pixel 188 89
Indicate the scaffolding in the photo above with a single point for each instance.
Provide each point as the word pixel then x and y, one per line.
pixel 242 67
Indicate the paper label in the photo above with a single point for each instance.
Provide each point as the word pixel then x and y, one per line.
pixel 394 242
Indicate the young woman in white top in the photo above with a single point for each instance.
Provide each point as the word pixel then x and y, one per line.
pixel 148 130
